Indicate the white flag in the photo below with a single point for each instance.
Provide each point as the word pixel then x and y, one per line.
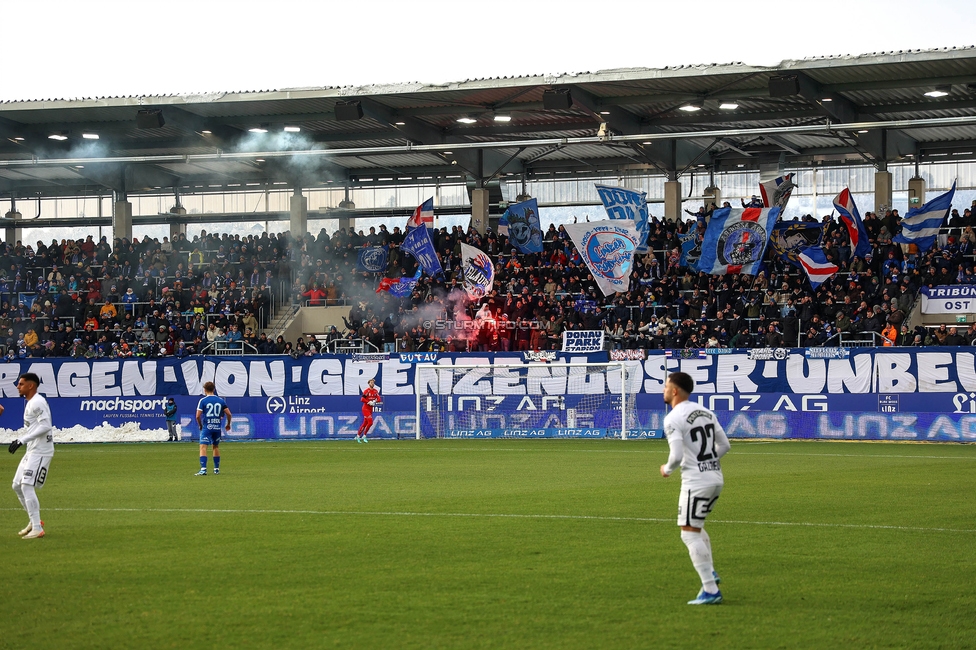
pixel 608 249
pixel 478 271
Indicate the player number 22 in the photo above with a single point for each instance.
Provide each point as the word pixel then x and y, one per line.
pixel 702 435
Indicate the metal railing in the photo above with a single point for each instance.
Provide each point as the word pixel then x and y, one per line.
pixel 348 346
pixel 228 348
pixel 855 340
pixel 327 302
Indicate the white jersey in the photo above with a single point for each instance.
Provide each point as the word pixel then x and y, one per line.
pixel 39 433
pixel 697 443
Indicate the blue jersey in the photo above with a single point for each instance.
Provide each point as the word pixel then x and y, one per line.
pixel 213 408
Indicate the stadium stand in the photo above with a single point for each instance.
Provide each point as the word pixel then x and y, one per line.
pixel 212 293
pixel 215 294
pixel 538 296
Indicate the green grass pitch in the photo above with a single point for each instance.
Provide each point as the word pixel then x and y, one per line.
pixel 489 544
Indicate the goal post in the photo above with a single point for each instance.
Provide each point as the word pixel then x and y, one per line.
pixel 524 400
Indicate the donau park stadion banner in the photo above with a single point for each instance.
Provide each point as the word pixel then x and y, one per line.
pixel 830 393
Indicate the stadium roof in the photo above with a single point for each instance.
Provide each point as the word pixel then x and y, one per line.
pixel 877 108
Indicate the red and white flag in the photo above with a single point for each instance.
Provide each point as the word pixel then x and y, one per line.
pixel 423 215
pixel 776 193
pixel 818 268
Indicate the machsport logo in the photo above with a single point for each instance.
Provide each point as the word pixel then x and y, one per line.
pixel 120 405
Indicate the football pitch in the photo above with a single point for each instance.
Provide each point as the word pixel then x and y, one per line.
pixel 488 544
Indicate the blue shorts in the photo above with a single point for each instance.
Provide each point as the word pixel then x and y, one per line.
pixel 210 437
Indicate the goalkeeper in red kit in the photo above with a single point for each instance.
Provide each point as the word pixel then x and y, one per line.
pixel 370 399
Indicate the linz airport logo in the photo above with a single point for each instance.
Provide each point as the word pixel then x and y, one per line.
pixel 741 244
pixel 276 405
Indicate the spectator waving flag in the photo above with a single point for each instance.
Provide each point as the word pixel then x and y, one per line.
pixel 622 203
pixel 736 240
pixel 844 202
pixel 477 270
pixel 418 243
pixel 776 193
pixel 921 225
pixel 423 215
pixel 608 249
pixel 520 224
pixel 814 262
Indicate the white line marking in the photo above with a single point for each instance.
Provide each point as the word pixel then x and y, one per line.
pixel 737 450
pixel 475 515
pixel 796 453
pixel 651 451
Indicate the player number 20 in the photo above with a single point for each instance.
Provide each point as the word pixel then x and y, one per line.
pixel 702 435
pixel 213 410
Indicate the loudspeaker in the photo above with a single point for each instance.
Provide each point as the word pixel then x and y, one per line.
pixel 347 111
pixel 557 99
pixel 784 86
pixel 150 118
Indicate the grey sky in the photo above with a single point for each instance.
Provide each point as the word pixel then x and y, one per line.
pixel 99 48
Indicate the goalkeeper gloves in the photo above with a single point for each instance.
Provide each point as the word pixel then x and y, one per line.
pixel 14 446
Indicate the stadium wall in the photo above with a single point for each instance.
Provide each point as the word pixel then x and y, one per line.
pixel 830 393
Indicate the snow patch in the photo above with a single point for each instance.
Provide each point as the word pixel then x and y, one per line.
pixel 128 432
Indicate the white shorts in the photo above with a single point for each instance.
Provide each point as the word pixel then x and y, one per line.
pixel 32 470
pixel 695 503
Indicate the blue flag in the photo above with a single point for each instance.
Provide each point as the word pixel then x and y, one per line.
pixel 583 305
pixel 622 203
pixel 399 287
pixel 690 248
pixel 790 237
pixel 520 224
pixel 921 225
pixel 372 259
pixel 418 243
pixel 736 240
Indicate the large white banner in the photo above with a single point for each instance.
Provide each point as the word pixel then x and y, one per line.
pixel 952 299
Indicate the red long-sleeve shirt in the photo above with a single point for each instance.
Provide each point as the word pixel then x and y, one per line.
pixel 369 395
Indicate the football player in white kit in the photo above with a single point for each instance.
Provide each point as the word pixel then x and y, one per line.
pixel 38 435
pixel 697 443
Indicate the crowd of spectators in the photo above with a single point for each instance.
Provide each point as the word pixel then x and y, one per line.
pixel 85 298
pixel 536 297
pixel 149 298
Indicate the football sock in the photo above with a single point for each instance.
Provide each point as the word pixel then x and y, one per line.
pixel 708 542
pixel 203 462
pixel 20 496
pixel 216 462
pixel 701 559
pixel 32 506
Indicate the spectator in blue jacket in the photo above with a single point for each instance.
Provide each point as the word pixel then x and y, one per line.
pixel 170 410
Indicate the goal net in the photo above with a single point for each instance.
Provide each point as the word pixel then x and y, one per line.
pixel 536 400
